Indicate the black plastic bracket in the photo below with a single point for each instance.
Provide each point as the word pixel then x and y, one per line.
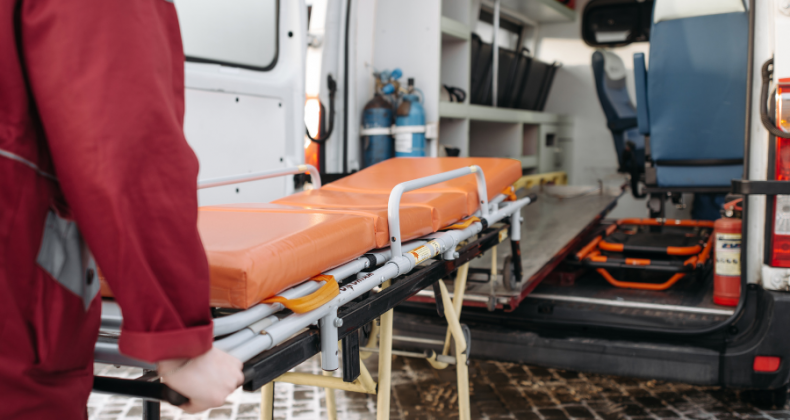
pixel 350 345
pixel 747 187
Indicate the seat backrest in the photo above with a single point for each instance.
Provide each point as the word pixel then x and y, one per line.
pixel 696 84
pixel 609 72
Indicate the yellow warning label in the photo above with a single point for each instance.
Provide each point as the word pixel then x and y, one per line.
pixel 426 251
pixel 502 235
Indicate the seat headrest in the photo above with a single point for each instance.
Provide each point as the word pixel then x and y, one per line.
pixel 680 9
pixel 613 66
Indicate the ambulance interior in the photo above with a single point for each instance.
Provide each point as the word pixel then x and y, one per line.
pixel 585 127
pixel 606 105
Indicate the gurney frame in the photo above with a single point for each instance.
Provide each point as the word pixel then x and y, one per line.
pixel 271 346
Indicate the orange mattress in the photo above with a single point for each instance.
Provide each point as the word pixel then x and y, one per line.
pixel 258 250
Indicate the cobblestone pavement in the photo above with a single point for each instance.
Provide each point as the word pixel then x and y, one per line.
pixel 499 391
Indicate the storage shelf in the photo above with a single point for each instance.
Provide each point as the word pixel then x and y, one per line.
pixel 529 162
pixel 494 114
pixel 454 30
pixel 541 11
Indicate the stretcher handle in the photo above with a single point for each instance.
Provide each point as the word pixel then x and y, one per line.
pixel 155 391
pixel 393 206
pixel 315 177
pixel 532 197
pixel 151 391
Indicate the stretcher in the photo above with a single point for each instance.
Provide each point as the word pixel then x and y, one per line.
pixel 368 242
pixel 677 247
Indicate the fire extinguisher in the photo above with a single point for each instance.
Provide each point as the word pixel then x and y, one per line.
pixel 727 251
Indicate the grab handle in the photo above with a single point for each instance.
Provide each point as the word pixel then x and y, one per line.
pixel 152 391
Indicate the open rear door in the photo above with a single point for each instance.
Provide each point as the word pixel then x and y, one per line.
pixel 244 91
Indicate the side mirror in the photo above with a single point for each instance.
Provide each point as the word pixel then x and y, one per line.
pixel 614 23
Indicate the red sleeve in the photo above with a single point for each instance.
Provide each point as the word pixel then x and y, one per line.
pixel 108 81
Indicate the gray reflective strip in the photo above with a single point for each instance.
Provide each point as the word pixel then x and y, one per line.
pixel 65 257
pixel 33 166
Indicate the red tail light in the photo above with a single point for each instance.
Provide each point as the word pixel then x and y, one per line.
pixel 780 234
pixel 766 363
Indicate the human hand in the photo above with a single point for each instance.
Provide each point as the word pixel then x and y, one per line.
pixel 206 380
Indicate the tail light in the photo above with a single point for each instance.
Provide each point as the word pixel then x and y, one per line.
pixel 780 234
pixel 766 363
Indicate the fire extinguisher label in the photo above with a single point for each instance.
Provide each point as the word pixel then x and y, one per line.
pixel 728 254
pixel 403 142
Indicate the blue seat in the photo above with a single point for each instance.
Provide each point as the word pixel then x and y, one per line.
pixel 610 82
pixel 692 101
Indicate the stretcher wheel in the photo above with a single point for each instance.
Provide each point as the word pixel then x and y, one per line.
pixel 509 278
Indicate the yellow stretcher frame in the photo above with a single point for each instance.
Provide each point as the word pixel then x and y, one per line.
pixel 383 389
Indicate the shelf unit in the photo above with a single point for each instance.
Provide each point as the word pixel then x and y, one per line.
pixel 540 140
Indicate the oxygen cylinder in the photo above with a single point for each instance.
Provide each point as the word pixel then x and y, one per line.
pixel 727 268
pixel 376 139
pixel 409 128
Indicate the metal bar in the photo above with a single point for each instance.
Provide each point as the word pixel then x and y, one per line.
pixel 267 401
pixel 495 63
pixel 107 352
pixel 417 340
pixel 235 322
pixel 393 207
pixel 315 177
pixel 324 381
pixel 152 391
pixel 461 369
pixel 749 187
pixel 458 298
pixel 270 364
pixel 151 410
pixel 637 305
pixel 449 360
pixel 385 364
pixel 331 404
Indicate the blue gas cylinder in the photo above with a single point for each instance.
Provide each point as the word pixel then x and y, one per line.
pixel 376 140
pixel 410 127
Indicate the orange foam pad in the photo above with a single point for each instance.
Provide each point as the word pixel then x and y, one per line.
pixel 256 251
pixel 383 177
pixel 420 214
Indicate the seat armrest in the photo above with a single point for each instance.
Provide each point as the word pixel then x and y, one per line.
pixel 640 81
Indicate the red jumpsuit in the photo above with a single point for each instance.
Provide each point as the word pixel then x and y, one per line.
pixel 93 92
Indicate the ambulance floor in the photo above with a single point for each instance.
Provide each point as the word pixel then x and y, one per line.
pixel 499 391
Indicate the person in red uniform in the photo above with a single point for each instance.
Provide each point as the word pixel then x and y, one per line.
pixel 92 94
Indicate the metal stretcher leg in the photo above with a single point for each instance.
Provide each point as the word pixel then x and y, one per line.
pixel 331 404
pixel 267 401
pixel 385 364
pixel 151 410
pixel 459 290
pixel 461 368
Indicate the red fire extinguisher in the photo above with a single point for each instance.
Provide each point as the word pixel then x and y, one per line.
pixel 727 251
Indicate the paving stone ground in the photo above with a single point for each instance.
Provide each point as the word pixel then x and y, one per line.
pixel 498 391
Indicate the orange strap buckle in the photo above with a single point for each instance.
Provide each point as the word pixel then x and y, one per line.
pixel 463 224
pixel 312 301
pixel 510 192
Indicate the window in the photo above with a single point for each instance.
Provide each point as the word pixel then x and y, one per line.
pixel 237 33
